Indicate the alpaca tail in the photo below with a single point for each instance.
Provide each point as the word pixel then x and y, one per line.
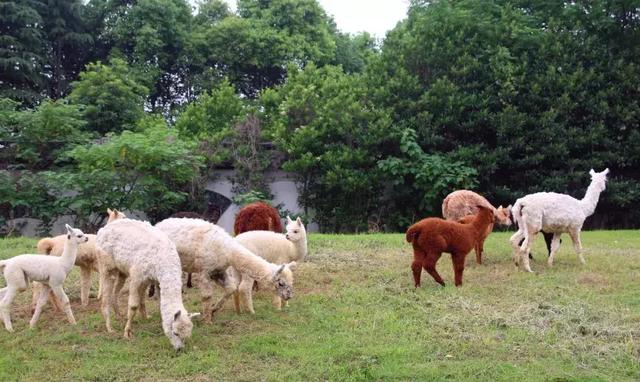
pixel 516 212
pixel 412 233
pixel 45 245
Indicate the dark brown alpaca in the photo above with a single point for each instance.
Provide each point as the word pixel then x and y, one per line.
pixel 432 236
pixel 257 216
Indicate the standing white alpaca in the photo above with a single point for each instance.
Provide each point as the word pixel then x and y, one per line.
pixel 144 254
pixel 274 247
pixel 209 250
pixel 50 271
pixel 555 213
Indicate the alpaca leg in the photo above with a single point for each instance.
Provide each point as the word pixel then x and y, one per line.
pixel 429 264
pixel 516 241
pixel 229 289
pixel 458 267
pixel 206 292
pixel 9 293
pixel 480 244
pixel 85 285
pixel 143 306
pixel 135 289
pixel 66 306
pixel 555 244
pixel 189 283
pixel 246 286
pixel 236 301
pixel 107 299
pixel 43 297
pixel 416 269
pixel 277 302
pixel 117 288
pixel 525 249
pixel 577 244
pixel 36 288
pixel 548 239
pixel 99 296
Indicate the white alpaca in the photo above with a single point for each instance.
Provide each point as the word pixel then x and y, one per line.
pixel 51 271
pixel 87 259
pixel 209 250
pixel 554 213
pixel 144 254
pixel 275 248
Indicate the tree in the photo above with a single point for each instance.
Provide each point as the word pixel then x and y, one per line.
pixel 111 98
pixel 333 137
pixel 21 51
pixel 149 171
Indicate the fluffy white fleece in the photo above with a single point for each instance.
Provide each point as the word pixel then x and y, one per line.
pixel 51 271
pixel 209 250
pixel 274 247
pixel 144 254
pixel 556 213
pixel 86 259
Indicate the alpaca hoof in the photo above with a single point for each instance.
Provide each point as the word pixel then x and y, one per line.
pixel 128 334
pixel 10 330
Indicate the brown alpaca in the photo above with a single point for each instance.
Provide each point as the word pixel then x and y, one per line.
pixel 461 204
pixel 257 216
pixel 432 236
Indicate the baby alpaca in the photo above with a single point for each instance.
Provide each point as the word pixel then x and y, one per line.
pixel 49 270
pixel 432 236
pixel 556 213
pixel 258 216
pixel 462 203
pixel 144 254
pixel 275 248
pixel 209 250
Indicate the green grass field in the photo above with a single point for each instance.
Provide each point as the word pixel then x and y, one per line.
pixel 356 316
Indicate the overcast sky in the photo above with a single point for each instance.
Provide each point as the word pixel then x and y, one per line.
pixel 373 16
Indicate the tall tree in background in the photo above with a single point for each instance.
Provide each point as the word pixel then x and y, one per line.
pixel 21 51
pixel 68 44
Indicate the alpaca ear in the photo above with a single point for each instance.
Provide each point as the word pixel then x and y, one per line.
pixel 299 222
pixel 591 172
pixel 177 315
pixel 292 265
pixel 289 220
pixel 606 171
pixel 109 211
pixel 280 269
pixel 69 229
pixel 193 315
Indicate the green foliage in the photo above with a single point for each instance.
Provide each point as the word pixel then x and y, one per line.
pixel 112 100
pixel 145 171
pixel 333 138
pixel 37 138
pixel 21 49
pixel 250 197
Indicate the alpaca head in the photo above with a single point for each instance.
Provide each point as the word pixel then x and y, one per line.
pixel 295 230
pixel 181 328
pixel 283 280
pixel 503 215
pixel 75 235
pixel 599 179
pixel 114 215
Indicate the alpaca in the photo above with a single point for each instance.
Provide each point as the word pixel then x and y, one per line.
pixel 554 213
pixel 432 236
pixel 139 251
pixel 49 270
pixel 275 248
pixel 86 259
pixel 212 214
pixel 209 250
pixel 462 203
pixel 258 216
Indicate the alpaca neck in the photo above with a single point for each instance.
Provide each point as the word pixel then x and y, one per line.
pixel 69 253
pixel 590 200
pixel 483 219
pixel 246 262
pixel 301 248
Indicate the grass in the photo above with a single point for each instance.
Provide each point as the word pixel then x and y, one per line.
pixel 357 317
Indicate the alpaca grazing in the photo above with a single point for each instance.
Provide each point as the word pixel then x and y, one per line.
pixel 276 248
pixel 554 213
pixel 209 250
pixel 432 236
pixel 144 254
pixel 49 270
pixel 461 205
pixel 258 216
